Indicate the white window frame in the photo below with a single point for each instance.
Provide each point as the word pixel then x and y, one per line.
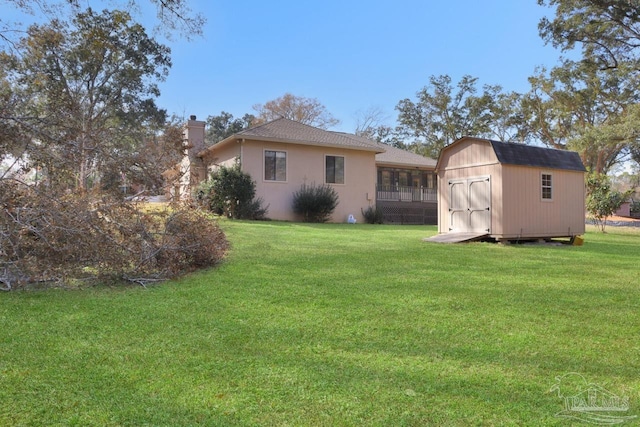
pixel 543 186
pixel 344 169
pixel 286 165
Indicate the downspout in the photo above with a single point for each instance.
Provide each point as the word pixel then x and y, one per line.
pixel 241 141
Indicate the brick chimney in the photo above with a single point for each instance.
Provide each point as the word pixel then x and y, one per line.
pixel 194 172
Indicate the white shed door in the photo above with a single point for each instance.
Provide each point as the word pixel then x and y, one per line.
pixel 470 205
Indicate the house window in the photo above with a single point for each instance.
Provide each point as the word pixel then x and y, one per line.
pixel 547 186
pixel 431 182
pixel 334 169
pixel 405 179
pixel 275 165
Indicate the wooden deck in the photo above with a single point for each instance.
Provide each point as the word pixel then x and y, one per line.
pixel 419 213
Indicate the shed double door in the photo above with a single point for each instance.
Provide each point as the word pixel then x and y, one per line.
pixel 470 205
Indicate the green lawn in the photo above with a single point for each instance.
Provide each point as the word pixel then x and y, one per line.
pixel 331 325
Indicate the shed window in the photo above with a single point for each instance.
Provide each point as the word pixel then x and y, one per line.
pixel 275 165
pixel 334 169
pixel 547 186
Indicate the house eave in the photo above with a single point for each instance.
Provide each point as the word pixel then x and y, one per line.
pixel 405 165
pixel 238 137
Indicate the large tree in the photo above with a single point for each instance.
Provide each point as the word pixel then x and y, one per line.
pixel 77 104
pixel 224 125
pixel 304 110
pixel 607 31
pixel 370 124
pixel 172 16
pixel 582 107
pixel 90 86
pixel 444 112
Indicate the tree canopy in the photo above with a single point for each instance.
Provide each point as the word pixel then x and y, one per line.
pixel 172 16
pixel 304 110
pixel 591 105
pixel 608 31
pixel 444 112
pixel 86 91
pixel 78 121
pixel 224 125
pixel 581 107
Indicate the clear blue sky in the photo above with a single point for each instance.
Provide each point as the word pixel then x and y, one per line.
pixel 350 54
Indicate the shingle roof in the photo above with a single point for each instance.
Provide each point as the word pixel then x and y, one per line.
pixel 289 131
pixel 400 157
pixel 528 155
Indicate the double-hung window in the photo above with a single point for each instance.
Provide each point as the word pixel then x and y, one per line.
pixel 547 186
pixel 334 169
pixel 275 165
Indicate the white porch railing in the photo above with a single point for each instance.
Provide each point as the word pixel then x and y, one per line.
pixel 405 194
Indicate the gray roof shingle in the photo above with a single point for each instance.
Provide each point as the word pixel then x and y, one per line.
pixel 286 130
pixel 529 155
pixel 400 157
pixel 289 131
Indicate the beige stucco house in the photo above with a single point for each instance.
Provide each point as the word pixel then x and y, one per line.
pixel 510 191
pixel 282 155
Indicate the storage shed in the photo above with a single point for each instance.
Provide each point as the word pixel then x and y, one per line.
pixel 510 191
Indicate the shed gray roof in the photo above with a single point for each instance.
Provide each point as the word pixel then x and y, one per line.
pixel 529 155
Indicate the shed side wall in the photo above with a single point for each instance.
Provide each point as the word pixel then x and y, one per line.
pixel 526 214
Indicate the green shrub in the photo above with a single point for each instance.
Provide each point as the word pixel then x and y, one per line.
pixel 602 201
pixel 372 215
pixel 231 192
pixel 315 203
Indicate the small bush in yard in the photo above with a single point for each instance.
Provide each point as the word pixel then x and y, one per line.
pixel 602 201
pixel 315 203
pixel 372 215
pixel 231 192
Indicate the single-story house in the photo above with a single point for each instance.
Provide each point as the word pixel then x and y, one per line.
pixel 283 154
pixel 510 191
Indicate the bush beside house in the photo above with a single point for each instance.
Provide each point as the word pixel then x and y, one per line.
pixel 315 203
pixel 231 192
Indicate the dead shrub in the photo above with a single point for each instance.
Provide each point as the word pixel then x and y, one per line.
pixel 73 239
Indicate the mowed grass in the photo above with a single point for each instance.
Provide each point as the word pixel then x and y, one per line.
pixel 333 325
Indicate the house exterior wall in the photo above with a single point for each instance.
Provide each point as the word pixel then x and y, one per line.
pixel 226 155
pixel 306 165
pixel 624 209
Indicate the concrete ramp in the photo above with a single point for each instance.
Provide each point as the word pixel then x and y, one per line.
pixel 456 237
